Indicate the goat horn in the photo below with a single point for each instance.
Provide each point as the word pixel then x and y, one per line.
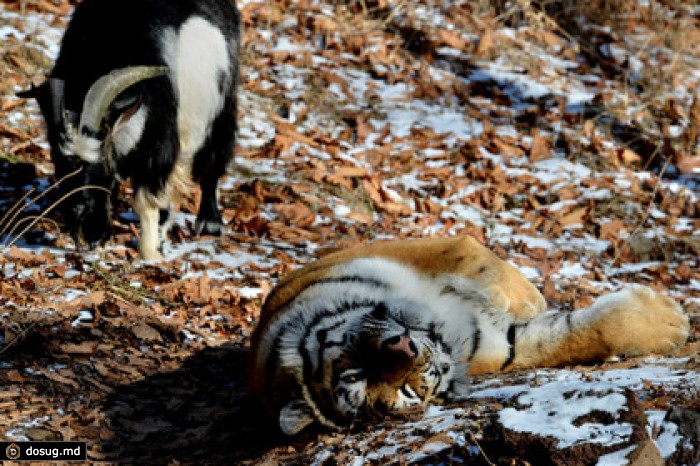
pixel 103 92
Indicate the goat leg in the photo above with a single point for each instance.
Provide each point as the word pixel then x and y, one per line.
pixel 146 208
pixel 165 222
pixel 209 220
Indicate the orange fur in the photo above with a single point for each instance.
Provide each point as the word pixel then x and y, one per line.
pixel 458 255
pixel 645 322
pixel 635 321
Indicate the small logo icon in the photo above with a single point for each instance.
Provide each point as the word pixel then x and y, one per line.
pixel 13 451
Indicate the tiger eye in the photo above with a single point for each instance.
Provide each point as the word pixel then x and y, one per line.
pixel 352 378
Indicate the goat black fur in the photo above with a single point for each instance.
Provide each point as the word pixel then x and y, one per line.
pixel 182 120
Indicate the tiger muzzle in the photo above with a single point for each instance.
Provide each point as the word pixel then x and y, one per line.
pixel 400 344
pixel 397 355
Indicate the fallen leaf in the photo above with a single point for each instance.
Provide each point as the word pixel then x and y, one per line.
pixel 145 332
pixel 60 379
pixel 575 217
pixel 612 230
pixel 84 348
pixel 540 148
pixel 689 164
pixel 486 43
pixel 629 157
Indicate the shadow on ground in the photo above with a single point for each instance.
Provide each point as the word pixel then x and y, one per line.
pixel 17 206
pixel 197 414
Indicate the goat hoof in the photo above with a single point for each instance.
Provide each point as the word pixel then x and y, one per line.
pixel 209 227
pixel 151 255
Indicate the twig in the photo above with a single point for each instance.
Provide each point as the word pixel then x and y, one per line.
pixel 641 223
pixel 394 11
pixel 33 219
pixel 364 7
pixel 14 211
pixel 481 450
pixel 17 338
pixel 121 289
pixel 16 207
pixel 49 209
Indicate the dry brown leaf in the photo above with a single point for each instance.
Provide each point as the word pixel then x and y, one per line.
pixel 351 172
pixel 89 301
pixel 60 379
pixel 612 229
pixel 486 43
pixel 629 157
pixel 540 148
pixel 550 38
pixel 204 286
pixel 21 255
pixel 694 114
pixel 143 331
pixel 9 105
pixel 451 38
pixel 575 217
pixel 287 129
pixel 13 375
pixel 689 164
pixel 373 190
pixel 85 348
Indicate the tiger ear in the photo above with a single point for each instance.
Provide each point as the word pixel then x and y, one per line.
pixel 295 416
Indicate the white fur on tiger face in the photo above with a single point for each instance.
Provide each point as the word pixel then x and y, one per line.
pixel 373 335
pixel 356 349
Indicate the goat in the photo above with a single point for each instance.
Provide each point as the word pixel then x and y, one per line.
pixel 142 90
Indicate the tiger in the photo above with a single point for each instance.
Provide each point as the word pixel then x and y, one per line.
pixel 396 325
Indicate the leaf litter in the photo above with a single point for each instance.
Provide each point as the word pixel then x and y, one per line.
pixel 569 146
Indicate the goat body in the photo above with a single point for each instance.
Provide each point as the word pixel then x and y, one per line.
pixel 146 90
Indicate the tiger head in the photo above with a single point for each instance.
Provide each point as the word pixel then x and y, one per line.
pixel 372 360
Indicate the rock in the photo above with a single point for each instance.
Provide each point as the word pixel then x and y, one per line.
pixel 688 422
pixel 646 454
pixel 602 432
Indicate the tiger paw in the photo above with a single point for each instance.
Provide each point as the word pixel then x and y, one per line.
pixel 639 321
pixel 520 299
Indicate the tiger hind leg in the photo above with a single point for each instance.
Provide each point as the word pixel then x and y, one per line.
pixel 636 321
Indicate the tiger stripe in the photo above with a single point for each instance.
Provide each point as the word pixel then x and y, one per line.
pixel 386 326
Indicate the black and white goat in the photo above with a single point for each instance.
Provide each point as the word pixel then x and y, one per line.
pixel 146 90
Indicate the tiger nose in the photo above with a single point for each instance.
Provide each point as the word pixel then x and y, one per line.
pixel 400 344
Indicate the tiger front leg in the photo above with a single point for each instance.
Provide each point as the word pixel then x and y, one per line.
pixel 636 321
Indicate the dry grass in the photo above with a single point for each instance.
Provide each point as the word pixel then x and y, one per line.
pixel 13 227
